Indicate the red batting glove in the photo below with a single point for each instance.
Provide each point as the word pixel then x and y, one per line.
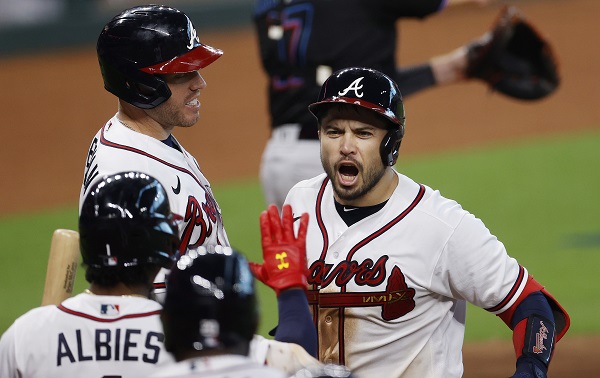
pixel 284 254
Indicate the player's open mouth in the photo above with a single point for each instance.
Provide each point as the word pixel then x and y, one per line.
pixel 347 173
pixel 195 103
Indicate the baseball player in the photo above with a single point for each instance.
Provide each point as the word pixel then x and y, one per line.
pixel 392 262
pixel 157 92
pixel 303 41
pixel 113 329
pixel 210 316
pixel 150 57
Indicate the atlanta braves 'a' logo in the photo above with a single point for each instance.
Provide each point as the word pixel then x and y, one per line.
pixel 355 86
pixel 192 35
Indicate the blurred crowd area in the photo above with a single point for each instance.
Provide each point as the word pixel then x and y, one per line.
pixel 33 12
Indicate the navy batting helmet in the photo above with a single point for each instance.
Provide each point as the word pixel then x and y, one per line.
pixel 141 43
pixel 372 90
pixel 211 301
pixel 126 220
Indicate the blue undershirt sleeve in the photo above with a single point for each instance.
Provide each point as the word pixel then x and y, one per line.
pixel 295 321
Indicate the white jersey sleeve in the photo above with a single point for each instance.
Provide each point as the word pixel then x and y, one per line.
pixel 286 357
pixel 220 366
pixel 8 354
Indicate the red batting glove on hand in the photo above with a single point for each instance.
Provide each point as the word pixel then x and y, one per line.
pixel 284 254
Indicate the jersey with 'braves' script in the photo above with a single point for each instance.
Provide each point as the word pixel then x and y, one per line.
pixel 116 148
pixel 389 292
pixel 86 336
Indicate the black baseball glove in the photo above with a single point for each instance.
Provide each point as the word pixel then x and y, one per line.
pixel 514 59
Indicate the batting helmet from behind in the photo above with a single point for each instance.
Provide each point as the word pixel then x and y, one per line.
pixel 126 221
pixel 211 302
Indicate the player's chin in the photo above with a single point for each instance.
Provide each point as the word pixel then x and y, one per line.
pixel 347 186
pixel 190 118
pixel 346 193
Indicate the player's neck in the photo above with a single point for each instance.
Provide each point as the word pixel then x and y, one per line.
pixel 136 120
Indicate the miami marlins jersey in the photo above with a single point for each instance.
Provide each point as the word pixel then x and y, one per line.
pixel 116 148
pixel 388 294
pixel 86 336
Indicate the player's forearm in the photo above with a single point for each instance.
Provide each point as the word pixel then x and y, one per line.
pixel 414 79
pixel 533 334
pixel 295 322
pixel 440 70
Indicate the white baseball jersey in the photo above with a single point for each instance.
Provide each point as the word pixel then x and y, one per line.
pixel 86 336
pixel 116 148
pixel 282 359
pixel 225 366
pixel 389 292
pixel 287 357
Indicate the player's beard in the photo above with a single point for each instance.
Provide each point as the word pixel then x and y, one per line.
pixel 171 115
pixel 368 178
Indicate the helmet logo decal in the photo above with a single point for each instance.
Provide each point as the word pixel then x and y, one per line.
pixel 192 34
pixel 355 86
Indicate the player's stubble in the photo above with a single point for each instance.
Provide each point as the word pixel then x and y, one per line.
pixel 182 109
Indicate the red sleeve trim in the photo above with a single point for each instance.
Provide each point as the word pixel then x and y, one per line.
pixel 561 318
pixel 530 287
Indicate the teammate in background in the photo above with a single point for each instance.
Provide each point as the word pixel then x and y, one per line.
pixel 127 233
pixel 210 316
pixel 150 57
pixel 303 41
pixel 391 262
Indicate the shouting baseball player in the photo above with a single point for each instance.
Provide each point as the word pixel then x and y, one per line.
pixel 150 57
pixel 391 262
pixel 303 41
pixel 127 233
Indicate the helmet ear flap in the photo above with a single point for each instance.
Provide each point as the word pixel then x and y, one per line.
pixel 138 88
pixel 390 146
pixel 148 91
